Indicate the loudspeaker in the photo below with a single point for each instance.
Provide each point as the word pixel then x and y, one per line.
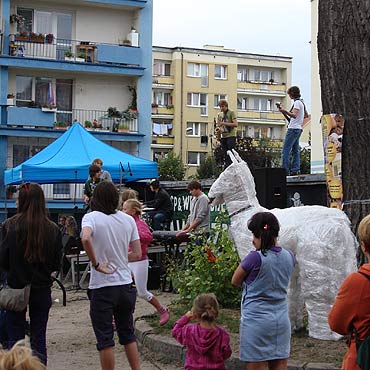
pixel 271 187
pixel 154 276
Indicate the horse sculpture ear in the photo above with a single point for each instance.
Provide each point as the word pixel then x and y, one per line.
pixel 232 156
pixel 237 156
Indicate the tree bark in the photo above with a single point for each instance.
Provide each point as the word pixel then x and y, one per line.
pixel 344 59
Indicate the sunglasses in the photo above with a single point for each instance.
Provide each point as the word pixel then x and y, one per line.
pixel 25 186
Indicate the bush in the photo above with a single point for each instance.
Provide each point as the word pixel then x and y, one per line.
pixel 209 268
pixel 208 169
pixel 171 168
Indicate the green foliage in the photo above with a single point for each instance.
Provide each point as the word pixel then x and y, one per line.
pixel 171 168
pixel 305 161
pixel 257 153
pixel 203 274
pixel 208 169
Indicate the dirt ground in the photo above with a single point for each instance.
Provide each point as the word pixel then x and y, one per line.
pixel 71 341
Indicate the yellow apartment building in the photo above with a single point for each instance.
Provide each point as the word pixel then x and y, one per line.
pixel 189 82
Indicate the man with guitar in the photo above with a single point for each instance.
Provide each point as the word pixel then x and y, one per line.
pixel 227 124
pixel 295 117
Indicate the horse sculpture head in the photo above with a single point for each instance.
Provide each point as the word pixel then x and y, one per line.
pixel 235 186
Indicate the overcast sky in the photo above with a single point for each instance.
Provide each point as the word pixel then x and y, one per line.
pixel 277 27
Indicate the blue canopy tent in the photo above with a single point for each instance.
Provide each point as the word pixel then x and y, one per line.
pixel 67 160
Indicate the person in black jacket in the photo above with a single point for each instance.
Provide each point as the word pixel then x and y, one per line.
pixel 162 204
pixel 30 251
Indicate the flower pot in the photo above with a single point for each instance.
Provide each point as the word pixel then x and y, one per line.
pixel 22 38
pixel 123 130
pixel 61 127
pixel 38 40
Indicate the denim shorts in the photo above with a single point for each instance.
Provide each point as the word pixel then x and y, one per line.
pixel 106 303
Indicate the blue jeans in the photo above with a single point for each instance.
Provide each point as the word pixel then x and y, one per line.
pixel 157 218
pixel 291 145
pixel 39 306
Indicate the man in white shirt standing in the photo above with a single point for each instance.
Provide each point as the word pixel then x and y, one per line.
pixel 106 236
pixel 291 143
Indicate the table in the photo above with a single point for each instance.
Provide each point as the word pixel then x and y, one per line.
pixel 79 260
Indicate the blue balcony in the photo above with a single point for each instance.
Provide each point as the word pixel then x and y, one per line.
pixel 22 116
pixel 72 55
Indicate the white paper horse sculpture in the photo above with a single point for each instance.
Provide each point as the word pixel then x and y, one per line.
pixel 320 237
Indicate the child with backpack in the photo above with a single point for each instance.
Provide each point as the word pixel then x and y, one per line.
pixel 207 344
pixel 350 314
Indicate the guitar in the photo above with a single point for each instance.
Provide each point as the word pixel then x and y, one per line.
pixel 278 106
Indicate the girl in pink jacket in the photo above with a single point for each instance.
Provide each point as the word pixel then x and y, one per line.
pixel 207 344
pixel 139 269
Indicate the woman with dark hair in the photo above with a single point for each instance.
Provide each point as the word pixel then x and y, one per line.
pixel 29 252
pixel 264 275
pixel 106 236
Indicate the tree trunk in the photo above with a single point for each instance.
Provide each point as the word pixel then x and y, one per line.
pixel 344 57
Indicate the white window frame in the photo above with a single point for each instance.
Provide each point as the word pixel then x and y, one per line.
pixel 223 72
pixel 196 129
pixel 259 106
pixel 198 158
pixel 162 98
pixel 258 75
pixel 242 74
pixel 193 69
pixel 160 66
pixel 244 103
pixel 217 98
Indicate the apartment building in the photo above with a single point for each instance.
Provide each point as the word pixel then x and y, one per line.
pixel 66 61
pixel 189 82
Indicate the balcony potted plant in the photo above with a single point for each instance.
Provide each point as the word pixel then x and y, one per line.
pixel 22 36
pixel 97 125
pixel 49 38
pixel 88 124
pixel 10 99
pixel 123 127
pixel 37 37
pixel 81 57
pixel 114 113
pixel 16 18
pixel 68 55
pixel 61 125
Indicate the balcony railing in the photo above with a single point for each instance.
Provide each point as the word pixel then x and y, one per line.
pixel 94 119
pixel 73 50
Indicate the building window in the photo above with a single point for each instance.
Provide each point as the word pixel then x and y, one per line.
pixel 242 74
pixel 263 104
pixel 161 98
pixel 26 25
pixel 20 154
pixel 242 103
pixel 158 155
pixel 199 70
pixel 195 158
pixel 196 129
pixel 263 76
pixel 161 68
pixel 217 98
pixel 194 69
pixel 198 100
pixel 24 90
pixel 221 71
pixel 44 92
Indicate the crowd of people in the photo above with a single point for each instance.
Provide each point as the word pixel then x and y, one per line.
pixel 116 240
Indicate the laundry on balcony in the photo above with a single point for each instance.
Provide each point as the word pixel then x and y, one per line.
pixel 160 129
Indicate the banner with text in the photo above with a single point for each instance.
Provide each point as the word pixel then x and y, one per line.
pixel 332 126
